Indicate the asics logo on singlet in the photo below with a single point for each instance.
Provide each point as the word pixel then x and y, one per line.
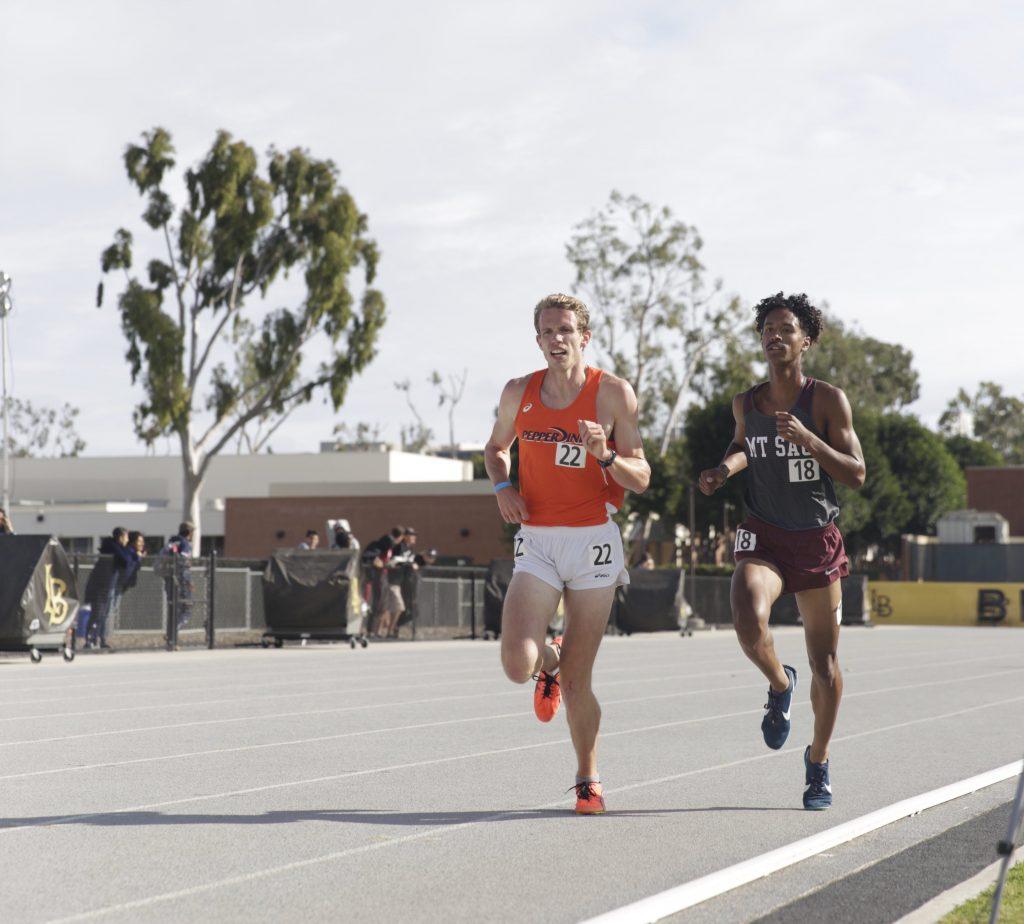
pixel 527 407
pixel 551 435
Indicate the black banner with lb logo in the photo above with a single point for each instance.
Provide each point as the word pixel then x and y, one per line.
pixel 38 594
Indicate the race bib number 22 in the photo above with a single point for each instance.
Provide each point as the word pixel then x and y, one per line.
pixel 570 455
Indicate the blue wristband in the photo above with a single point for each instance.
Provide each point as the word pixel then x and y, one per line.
pixel 502 485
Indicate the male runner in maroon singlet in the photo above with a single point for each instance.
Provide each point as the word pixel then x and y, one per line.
pixel 579 450
pixel 796 438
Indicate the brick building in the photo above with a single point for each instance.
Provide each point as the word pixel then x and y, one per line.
pixel 1000 490
pixel 458 519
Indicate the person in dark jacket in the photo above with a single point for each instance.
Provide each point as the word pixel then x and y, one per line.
pixel 375 559
pixel 123 564
pixel 137 550
pixel 179 552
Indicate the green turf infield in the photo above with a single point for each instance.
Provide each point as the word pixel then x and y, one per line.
pixel 977 910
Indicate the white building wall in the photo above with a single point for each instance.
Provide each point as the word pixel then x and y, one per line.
pixel 79 497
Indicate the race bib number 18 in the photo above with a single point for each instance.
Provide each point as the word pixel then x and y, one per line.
pixel 804 470
pixel 746 541
pixel 570 455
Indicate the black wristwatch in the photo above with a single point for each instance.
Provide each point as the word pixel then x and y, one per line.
pixel 607 463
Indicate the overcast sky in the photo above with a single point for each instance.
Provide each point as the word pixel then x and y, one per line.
pixel 869 154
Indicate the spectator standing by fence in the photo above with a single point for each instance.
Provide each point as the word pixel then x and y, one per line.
pixel 137 550
pixel 311 542
pixel 122 564
pixel 175 568
pixel 343 538
pixel 401 584
pixel 376 558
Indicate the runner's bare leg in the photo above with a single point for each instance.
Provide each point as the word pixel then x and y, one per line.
pixel 819 609
pixel 530 606
pixel 586 617
pixel 756 585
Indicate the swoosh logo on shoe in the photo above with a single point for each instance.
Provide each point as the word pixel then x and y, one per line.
pixel 785 715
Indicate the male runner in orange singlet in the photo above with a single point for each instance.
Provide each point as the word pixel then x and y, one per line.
pixel 795 437
pixel 579 450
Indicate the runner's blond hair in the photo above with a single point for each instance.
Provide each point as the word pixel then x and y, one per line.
pixel 566 303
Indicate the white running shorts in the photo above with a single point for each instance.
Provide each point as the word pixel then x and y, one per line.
pixel 576 557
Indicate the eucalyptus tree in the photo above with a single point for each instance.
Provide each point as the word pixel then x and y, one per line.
pixel 215 344
pixel 657 319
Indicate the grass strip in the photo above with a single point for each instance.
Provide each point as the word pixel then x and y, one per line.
pixel 977 910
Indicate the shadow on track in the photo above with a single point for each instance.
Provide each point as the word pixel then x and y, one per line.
pixel 350 816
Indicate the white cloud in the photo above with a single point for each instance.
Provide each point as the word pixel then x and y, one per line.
pixel 866 154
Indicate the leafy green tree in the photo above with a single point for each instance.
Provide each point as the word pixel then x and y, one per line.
pixel 879 511
pixel 928 475
pixel 968 452
pixel 876 376
pixel 238 232
pixel 656 318
pixel 739 365
pixel 36 430
pixel 709 430
pixel 995 418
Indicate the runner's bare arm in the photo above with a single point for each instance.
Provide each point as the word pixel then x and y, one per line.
pixel 629 467
pixel 498 460
pixel 734 460
pixel 840 453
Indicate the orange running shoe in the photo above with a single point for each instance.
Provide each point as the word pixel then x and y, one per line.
pixel 589 799
pixel 547 695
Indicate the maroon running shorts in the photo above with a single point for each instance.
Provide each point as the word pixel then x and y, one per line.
pixel 806 558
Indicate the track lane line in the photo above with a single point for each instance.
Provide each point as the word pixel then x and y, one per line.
pixel 433 761
pixel 437 831
pixel 672 901
pixel 440 670
pixel 658 678
pixel 470 696
pixel 247 671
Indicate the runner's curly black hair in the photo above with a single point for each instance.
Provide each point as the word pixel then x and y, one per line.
pixel 811 320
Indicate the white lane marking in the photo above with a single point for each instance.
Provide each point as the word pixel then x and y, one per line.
pixel 255 681
pixel 633 681
pixel 514 692
pixel 248 671
pixel 491 675
pixel 438 831
pixel 337 672
pixel 677 899
pixel 525 747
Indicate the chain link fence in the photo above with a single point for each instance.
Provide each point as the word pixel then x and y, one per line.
pixel 144 610
pixel 448 601
pixel 220 600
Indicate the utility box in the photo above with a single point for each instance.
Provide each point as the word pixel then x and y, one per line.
pixel 973 527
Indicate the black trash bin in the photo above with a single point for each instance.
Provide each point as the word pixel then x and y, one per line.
pixel 651 602
pixel 313 595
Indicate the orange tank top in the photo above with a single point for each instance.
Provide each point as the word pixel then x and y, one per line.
pixel 560 481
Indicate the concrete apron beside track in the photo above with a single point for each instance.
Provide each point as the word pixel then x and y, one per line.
pixel 672 901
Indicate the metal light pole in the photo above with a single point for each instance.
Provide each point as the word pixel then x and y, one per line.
pixel 6 307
